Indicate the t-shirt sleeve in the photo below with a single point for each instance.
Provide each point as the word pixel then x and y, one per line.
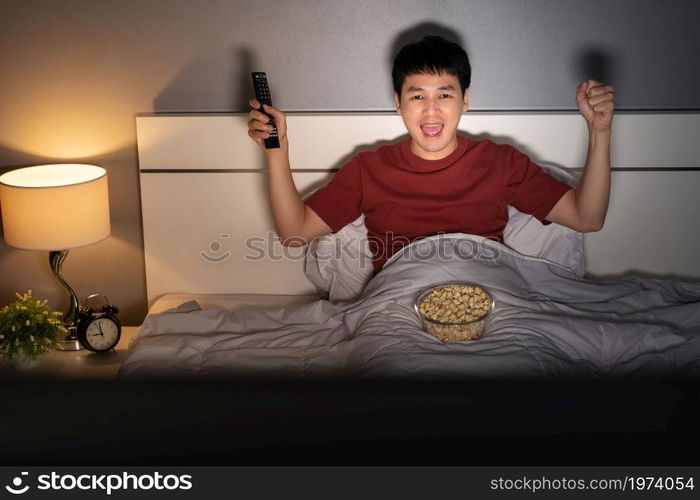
pixel 529 188
pixel 339 202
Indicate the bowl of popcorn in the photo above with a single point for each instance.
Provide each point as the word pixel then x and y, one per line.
pixel 454 311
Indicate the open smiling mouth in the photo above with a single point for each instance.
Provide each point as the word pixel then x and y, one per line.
pixel 432 130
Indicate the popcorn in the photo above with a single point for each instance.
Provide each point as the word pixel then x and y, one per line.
pixel 454 311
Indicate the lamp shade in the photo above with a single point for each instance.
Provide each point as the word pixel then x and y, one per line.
pixel 55 207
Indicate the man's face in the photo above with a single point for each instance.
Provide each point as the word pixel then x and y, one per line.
pixel 431 106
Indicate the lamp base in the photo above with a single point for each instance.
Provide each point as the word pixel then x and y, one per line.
pixel 71 342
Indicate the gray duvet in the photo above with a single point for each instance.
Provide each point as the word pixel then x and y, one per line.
pixel 547 324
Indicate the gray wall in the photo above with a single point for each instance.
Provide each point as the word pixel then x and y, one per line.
pixel 74 73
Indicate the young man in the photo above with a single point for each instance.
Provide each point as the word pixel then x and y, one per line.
pixel 438 181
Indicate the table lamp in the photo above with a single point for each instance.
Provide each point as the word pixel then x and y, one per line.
pixel 55 208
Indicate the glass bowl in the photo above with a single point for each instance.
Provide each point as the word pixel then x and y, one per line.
pixel 445 312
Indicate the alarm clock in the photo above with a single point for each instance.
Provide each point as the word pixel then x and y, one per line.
pixel 98 329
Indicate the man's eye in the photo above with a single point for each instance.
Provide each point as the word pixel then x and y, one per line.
pixel 442 96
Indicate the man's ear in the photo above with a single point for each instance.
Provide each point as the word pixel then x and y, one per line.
pixel 466 100
pixel 397 102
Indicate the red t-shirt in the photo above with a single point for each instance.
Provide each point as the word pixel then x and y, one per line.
pixel 405 197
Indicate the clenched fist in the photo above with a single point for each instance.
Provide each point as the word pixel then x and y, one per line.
pixel 596 104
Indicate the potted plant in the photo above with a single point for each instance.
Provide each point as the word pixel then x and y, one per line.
pixel 28 329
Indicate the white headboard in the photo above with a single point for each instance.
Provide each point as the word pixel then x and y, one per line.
pixel 206 219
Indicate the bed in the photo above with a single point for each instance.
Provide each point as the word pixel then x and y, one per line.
pixel 229 300
pixel 586 348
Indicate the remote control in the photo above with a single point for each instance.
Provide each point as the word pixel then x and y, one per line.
pixel 262 94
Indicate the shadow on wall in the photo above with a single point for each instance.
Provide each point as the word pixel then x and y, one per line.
pixel 244 84
pixel 187 92
pixel 417 32
pixel 594 63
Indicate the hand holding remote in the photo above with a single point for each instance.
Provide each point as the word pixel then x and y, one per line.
pixel 260 126
pixel 267 131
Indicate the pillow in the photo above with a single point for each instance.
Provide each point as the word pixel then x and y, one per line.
pixel 559 244
pixel 340 264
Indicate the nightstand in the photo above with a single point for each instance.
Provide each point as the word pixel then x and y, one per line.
pixel 81 364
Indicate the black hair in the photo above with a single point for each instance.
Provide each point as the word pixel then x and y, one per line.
pixel 434 55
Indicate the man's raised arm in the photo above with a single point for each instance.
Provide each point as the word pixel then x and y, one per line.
pixel 296 223
pixel 585 209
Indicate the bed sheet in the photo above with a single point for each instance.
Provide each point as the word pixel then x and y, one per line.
pixel 548 323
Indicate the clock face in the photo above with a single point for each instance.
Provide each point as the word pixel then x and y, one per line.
pixel 102 334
